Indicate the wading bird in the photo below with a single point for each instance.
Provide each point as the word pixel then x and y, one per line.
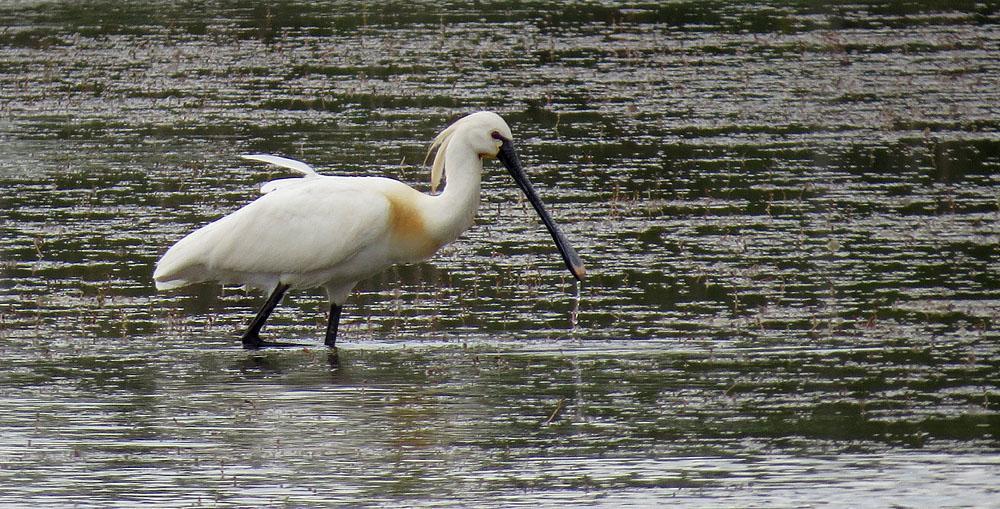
pixel 319 230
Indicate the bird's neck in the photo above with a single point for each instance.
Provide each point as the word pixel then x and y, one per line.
pixel 455 208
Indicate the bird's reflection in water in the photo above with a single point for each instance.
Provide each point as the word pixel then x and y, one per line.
pixel 333 360
pixel 267 364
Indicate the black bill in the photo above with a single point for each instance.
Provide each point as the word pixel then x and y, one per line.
pixel 508 156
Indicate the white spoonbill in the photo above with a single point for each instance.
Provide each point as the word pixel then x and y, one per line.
pixel 333 232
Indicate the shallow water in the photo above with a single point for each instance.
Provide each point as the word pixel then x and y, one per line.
pixel 789 215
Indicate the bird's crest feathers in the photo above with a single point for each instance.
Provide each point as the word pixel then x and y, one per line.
pixel 441 144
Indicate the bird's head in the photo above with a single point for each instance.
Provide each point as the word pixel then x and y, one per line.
pixel 485 132
pixel 489 136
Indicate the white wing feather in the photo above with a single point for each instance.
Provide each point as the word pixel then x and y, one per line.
pixel 284 162
pixel 288 233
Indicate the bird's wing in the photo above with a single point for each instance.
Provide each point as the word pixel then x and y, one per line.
pixel 292 230
pixel 284 162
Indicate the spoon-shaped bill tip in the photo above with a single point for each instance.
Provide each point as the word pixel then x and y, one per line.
pixel 569 256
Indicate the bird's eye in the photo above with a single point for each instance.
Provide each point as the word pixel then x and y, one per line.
pixel 497 136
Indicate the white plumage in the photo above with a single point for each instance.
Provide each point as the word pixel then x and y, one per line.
pixel 295 234
pixel 319 230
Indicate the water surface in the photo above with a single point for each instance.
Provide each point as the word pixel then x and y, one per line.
pixel 788 211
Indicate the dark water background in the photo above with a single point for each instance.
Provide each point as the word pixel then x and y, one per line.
pixel 789 211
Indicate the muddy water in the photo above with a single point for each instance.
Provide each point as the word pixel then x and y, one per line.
pixel 789 213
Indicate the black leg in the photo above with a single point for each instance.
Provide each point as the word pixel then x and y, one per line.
pixel 251 338
pixel 331 326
